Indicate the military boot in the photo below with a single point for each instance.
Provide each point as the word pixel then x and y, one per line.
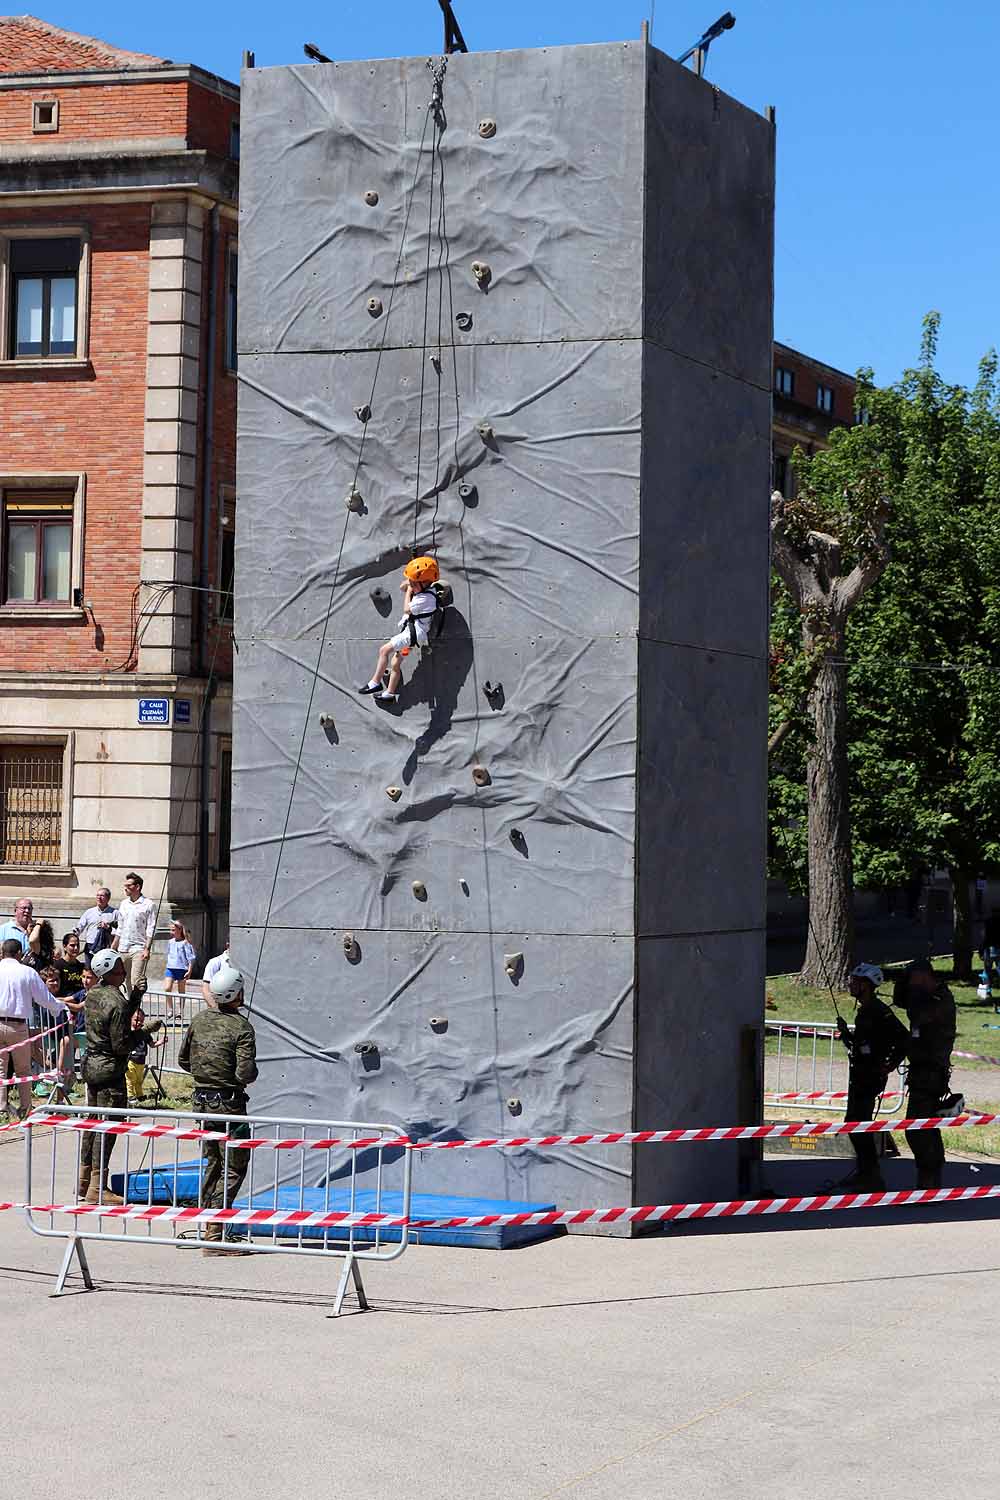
pixel 217 1244
pixel 84 1182
pixel 100 1192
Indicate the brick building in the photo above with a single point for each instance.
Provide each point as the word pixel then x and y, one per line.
pixel 810 399
pixel 118 188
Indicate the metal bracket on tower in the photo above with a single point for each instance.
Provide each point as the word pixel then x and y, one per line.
pixel 454 41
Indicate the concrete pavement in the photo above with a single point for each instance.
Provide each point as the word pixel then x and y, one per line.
pixel 782 1359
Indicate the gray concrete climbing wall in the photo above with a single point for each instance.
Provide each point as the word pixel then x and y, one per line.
pixel 593 477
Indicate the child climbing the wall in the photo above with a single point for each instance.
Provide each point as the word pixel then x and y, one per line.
pixel 419 605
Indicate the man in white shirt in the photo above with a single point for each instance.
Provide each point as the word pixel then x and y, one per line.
pixel 221 961
pixel 136 921
pixel 20 988
pixel 21 926
pixel 94 928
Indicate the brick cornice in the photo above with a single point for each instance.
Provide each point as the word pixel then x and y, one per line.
pixel 169 73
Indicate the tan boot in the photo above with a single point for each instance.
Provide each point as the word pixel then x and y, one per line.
pixel 84 1183
pixel 217 1244
pixel 100 1192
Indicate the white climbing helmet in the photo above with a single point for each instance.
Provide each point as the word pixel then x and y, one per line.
pixel 102 963
pixel 227 985
pixel 871 972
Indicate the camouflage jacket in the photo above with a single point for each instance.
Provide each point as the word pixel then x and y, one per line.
pixel 219 1050
pixel 110 1035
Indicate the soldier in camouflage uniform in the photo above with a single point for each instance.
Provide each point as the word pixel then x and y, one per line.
pixel 110 1038
pixel 930 1007
pixel 219 1050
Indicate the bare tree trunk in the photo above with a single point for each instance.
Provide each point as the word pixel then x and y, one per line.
pixel 830 944
pixel 962 945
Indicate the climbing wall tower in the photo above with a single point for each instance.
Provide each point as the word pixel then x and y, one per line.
pixel 553 292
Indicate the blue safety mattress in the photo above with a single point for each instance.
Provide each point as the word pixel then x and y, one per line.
pixel 318 1200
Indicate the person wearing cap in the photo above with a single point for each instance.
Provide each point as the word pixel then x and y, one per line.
pixel 876 1044
pixel 219 1050
pixel 110 1039
pixel 930 1007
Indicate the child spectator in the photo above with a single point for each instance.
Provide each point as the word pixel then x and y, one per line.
pixel 64 1039
pixel 180 962
pixel 135 1069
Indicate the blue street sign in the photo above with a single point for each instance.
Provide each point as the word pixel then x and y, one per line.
pixel 182 710
pixel 154 710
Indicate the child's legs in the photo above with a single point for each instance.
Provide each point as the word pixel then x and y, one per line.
pixel 168 989
pixel 395 674
pixel 135 1074
pixel 384 652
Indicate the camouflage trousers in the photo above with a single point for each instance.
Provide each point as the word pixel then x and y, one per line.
pixel 114 1097
pixel 225 1168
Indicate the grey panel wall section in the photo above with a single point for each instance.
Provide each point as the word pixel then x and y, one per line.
pixel 610 570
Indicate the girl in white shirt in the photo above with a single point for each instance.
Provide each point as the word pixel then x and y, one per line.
pixel 419 604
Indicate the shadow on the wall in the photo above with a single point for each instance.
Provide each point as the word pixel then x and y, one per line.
pixel 437 681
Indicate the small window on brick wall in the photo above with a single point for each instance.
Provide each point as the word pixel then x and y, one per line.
pixel 225 824
pixel 227 557
pixel 45 116
pixel 824 398
pixel 31 804
pixel 38 547
pixel 232 270
pixel 45 281
pixel 784 381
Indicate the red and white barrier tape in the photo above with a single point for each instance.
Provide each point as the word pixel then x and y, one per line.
pixel 29 1078
pixel 978 1057
pixel 610 1138
pixel 32 1036
pixel 818 1094
pixel 650 1213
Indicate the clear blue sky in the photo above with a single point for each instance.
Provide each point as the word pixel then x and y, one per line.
pixel 887 133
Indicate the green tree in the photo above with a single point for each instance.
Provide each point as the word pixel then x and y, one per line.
pixel 920 698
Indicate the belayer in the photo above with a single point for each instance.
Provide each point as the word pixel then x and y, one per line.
pixel 876 1044
pixel 930 1006
pixel 424 598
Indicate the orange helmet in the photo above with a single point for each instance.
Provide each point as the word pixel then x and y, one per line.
pixel 422 570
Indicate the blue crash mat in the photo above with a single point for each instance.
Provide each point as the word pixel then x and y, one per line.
pixel 315 1200
pixel 422 1206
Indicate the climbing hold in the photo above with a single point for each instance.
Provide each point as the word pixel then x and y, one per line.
pixel 350 945
pixel 487 128
pixel 486 432
pixel 513 965
pixel 514 1105
pixel 366 1049
pixel 463 885
pixel 517 837
pixel 395 792
pixel 371 197
pixel 468 493
pixel 419 890
pixel 363 413
pixel 355 502
pixel 380 597
pixel 494 694
pixel 439 1023
pixel 375 307
pixel 464 321
pixel 480 776
pixel 435 360
pixel 326 721
pixel 483 274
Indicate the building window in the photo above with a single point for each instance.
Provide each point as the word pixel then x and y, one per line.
pixel 38 547
pixel 44 277
pixel 227 557
pixel 225 808
pixel 824 398
pixel 45 116
pixel 31 804
pixel 234 140
pixel 784 381
pixel 862 416
pixel 231 300
pixel 780 476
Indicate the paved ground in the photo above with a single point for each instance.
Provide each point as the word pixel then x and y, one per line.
pixel 786 1359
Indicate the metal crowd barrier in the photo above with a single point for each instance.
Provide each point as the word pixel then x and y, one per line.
pixel 811 1058
pixel 166 1172
pixel 185 1008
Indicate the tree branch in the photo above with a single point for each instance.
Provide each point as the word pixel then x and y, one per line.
pixel 849 590
pixel 792 561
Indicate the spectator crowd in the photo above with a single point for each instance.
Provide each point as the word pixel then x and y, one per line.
pixel 44 983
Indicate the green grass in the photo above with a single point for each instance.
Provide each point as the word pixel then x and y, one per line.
pixel 801 1002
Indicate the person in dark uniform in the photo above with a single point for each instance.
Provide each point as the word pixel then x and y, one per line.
pixel 876 1044
pixel 219 1050
pixel 930 1007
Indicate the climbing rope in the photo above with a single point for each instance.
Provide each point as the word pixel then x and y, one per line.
pixel 434 112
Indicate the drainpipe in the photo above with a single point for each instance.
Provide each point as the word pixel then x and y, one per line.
pixel 204 581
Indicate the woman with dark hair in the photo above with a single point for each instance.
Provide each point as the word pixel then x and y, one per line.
pixel 40 954
pixel 41 946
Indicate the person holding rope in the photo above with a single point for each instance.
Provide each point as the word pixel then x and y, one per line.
pixel 110 1039
pixel 930 1006
pixel 219 1050
pixel 876 1044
